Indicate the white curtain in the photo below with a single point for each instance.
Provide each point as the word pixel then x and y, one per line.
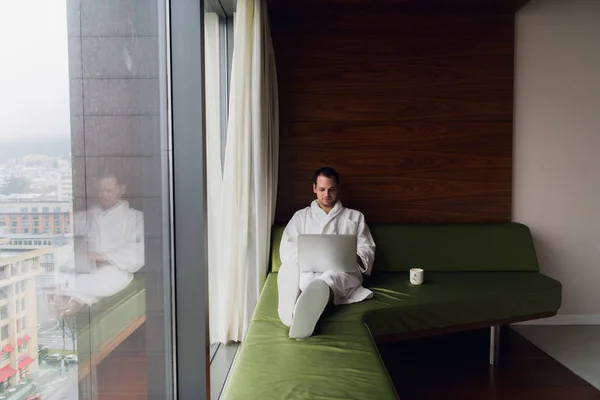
pixel 214 173
pixel 249 185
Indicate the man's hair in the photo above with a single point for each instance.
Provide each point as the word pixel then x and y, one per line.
pixel 327 172
pixel 110 173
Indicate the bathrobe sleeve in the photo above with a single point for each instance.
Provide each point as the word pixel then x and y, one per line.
pixel 288 249
pixel 365 246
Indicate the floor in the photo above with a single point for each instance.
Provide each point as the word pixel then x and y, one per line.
pixel 576 347
pixel 447 367
pixel 456 367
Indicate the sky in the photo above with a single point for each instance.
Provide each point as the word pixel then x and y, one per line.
pixel 34 70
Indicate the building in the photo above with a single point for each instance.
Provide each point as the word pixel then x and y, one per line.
pixel 64 186
pixel 18 313
pixel 36 217
pixel 18 243
pixel 59 255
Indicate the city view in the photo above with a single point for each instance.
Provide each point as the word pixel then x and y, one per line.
pixel 38 343
pixel 39 347
pixel 82 190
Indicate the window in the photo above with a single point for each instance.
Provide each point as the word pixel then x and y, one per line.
pixel 4 312
pixel 13 224
pixel 25 223
pixel 17 307
pixel 108 79
pixel 13 217
pixel 13 230
pixel 4 332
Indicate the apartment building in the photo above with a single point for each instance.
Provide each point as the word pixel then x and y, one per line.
pixel 18 313
pixel 36 217
pixel 60 255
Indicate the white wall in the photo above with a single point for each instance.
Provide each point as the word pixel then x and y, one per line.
pixel 557 144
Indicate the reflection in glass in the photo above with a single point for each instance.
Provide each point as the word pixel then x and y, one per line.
pixel 80 174
pixel 109 248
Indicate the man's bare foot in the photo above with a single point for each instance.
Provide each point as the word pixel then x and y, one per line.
pixel 68 306
pixel 71 308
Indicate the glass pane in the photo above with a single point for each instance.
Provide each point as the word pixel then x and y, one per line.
pixel 84 201
pixel 212 63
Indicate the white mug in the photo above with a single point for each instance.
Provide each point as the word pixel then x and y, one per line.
pixel 416 276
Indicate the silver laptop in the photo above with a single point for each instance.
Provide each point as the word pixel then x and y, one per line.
pixel 320 253
pixel 83 263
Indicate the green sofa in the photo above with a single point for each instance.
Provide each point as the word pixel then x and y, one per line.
pixel 476 275
pixel 104 326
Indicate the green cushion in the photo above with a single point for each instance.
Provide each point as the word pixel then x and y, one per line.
pixel 447 247
pixel 109 317
pixel 497 294
pixel 341 360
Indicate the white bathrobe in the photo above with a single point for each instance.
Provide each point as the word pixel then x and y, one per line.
pixel 346 287
pixel 118 235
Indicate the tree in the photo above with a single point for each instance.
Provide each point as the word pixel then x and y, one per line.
pixel 69 329
pixel 15 186
pixel 42 352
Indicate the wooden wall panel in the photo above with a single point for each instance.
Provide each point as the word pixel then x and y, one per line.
pixel 413 110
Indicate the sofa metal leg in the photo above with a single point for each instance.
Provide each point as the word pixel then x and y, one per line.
pixel 494 344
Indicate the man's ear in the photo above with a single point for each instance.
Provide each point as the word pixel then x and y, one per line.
pixel 314 188
pixel 123 189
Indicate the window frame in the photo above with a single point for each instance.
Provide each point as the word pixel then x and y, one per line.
pixel 185 50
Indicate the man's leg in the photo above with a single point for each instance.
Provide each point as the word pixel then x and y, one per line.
pixel 288 288
pixel 309 307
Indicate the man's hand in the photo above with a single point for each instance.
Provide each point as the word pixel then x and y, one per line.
pixel 97 257
pixel 360 262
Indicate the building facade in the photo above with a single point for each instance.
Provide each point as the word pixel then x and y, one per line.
pixel 18 314
pixel 36 217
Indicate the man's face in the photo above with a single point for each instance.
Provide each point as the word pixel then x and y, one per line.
pixel 109 192
pixel 326 190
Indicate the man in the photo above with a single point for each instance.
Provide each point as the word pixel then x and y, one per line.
pixel 111 236
pixel 304 296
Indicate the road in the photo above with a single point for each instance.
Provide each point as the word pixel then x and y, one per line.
pixel 51 336
pixel 56 385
